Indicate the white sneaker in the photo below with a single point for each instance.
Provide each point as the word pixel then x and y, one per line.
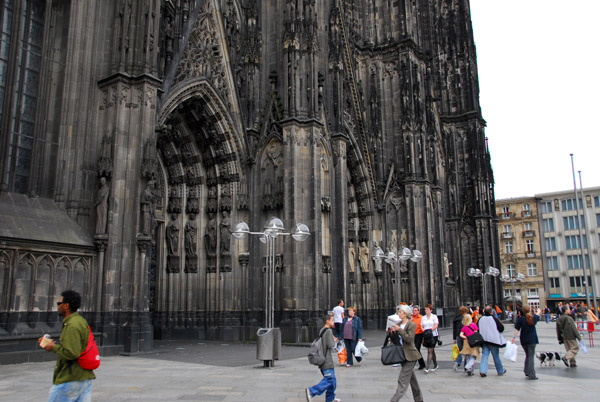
pixel 426 371
pixel 308 396
pixel 455 367
pixel 435 368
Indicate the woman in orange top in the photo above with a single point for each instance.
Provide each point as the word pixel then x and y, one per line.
pixel 416 318
pixel 476 315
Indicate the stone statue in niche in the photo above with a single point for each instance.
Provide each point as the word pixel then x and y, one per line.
pixel 102 206
pixel 394 243
pixel 351 257
pixel 210 237
pixel 377 251
pixel 190 237
pixel 363 257
pixel 147 201
pixel 225 233
pixel 403 237
pixel 447 264
pixel 173 237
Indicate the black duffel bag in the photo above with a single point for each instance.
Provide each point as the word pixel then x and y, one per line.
pixel 392 351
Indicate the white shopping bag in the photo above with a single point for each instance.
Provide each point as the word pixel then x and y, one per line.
pixel 511 352
pixel 360 349
pixel 583 348
pixel 339 346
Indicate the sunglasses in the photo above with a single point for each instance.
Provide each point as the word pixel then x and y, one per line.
pixel 59 303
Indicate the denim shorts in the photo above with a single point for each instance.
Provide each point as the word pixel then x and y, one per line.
pixel 73 391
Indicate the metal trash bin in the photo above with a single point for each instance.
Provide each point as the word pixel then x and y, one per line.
pixel 268 345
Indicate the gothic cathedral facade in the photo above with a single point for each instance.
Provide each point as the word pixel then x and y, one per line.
pixel 136 133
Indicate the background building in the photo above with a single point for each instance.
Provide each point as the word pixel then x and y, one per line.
pixel 135 133
pixel 520 250
pixel 564 261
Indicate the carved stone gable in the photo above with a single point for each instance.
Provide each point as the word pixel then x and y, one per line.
pixel 204 55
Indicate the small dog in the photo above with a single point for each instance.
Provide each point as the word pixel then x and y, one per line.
pixel 548 358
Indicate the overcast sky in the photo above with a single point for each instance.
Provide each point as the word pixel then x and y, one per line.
pixel 539 79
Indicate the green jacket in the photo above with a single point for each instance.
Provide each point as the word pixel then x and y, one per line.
pixel 566 328
pixel 73 340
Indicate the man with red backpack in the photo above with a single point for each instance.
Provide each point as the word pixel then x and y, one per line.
pixel 71 381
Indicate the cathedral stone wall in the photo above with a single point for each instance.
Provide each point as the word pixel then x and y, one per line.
pixel 160 124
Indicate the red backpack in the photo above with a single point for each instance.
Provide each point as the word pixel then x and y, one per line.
pixel 89 359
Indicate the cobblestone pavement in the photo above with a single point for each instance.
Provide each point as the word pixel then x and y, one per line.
pixel 212 371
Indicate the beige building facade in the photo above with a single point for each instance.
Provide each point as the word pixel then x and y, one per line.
pixel 520 251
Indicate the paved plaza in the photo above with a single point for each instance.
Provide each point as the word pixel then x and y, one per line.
pixel 213 371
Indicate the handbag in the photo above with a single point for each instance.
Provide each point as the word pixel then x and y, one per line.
pixel 475 339
pixel 392 351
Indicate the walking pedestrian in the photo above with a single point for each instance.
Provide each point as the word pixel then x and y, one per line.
pixel 70 381
pixel 328 383
pixel 338 318
pixel 471 353
pixel 456 328
pixel 568 335
pixel 547 314
pixel 416 318
pixel 352 331
pixel 429 324
pixel 490 329
pixel 525 323
pixel 406 330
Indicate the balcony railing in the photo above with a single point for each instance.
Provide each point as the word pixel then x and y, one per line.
pixel 507 215
pixel 507 235
pixel 529 233
pixel 530 254
pixel 526 214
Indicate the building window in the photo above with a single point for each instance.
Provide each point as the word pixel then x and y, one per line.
pixel 533 304
pixel 572 223
pixel 552 263
pixel 546 207
pixel 507 228
pixel 509 292
pixel 527 227
pixel 530 246
pixel 550 244
pixel 569 204
pixel 506 212
pixel 598 220
pixel 549 225
pixel 510 270
pixel 21 40
pixel 526 207
pixel 573 243
pixel 597 201
pixel 577 284
pixel 554 285
pixel 531 269
pixel 533 292
pixel 576 261
pixel 508 247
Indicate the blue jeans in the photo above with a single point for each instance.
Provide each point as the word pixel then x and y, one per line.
pixel 327 385
pixel 73 391
pixel 350 348
pixel 547 318
pixel 460 343
pixel 495 350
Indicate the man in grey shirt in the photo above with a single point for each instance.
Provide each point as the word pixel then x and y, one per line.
pixel 328 383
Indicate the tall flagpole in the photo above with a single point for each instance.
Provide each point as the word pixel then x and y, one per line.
pixel 592 276
pixel 585 277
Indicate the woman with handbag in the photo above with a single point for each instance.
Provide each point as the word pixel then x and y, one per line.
pixel 406 330
pixel 469 333
pixel 429 324
pixel 490 328
pixel 526 324
pixel 352 331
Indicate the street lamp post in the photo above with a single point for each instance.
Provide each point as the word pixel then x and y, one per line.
pixel 391 258
pixel 476 272
pixel 271 231
pixel 512 279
